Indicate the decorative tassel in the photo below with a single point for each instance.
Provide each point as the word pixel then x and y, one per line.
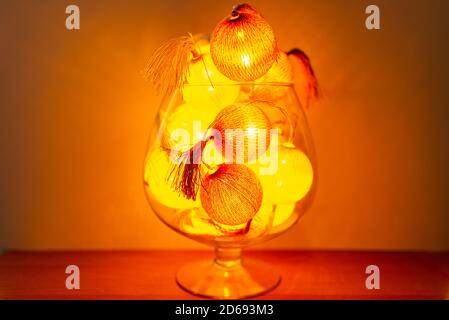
pixel 312 88
pixel 157 166
pixel 186 173
pixel 168 67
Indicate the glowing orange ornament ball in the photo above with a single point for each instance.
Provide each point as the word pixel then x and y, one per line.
pixel 232 195
pixel 243 45
pixel 243 128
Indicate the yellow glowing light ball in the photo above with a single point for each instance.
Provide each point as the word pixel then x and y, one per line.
pixel 206 85
pixel 187 125
pixel 243 45
pixel 290 180
pixel 157 169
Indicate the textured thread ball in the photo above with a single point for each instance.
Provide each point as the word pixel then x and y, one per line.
pixel 243 46
pixel 243 128
pixel 232 195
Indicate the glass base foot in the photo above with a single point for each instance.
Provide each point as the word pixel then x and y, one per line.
pixel 227 281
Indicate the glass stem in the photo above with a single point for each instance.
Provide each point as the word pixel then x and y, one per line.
pixel 228 257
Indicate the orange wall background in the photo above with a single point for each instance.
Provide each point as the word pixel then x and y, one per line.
pixel 76 114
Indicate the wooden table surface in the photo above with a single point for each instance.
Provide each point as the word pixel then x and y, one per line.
pixel 150 274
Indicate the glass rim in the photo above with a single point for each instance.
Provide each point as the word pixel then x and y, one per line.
pixel 251 83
